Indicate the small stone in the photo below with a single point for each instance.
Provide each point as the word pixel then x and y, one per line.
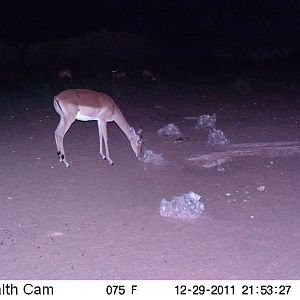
pixel 261 188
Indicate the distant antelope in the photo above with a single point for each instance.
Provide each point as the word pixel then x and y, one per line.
pixel 148 76
pixel 64 74
pixel 114 74
pixel 120 76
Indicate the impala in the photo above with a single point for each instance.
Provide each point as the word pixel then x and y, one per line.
pixel 87 105
pixel 64 74
pixel 120 76
pixel 147 75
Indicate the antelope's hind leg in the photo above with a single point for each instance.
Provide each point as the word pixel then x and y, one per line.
pixel 59 134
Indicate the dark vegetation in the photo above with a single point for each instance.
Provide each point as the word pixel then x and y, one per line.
pixel 235 47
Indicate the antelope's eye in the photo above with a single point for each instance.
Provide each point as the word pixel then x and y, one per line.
pixel 139 142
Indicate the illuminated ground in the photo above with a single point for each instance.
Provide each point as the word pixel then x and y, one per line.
pixel 94 220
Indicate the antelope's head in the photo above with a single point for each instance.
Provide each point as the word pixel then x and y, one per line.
pixel 136 141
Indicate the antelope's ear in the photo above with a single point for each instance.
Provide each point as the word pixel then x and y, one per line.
pixel 132 130
pixel 140 131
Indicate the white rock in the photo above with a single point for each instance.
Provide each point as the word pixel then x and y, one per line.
pixel 261 188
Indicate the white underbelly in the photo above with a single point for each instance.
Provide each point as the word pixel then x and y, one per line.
pixel 82 117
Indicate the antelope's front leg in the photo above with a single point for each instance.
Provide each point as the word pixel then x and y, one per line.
pixel 104 134
pixel 101 140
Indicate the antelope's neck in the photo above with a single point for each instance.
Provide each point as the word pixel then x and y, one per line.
pixel 121 122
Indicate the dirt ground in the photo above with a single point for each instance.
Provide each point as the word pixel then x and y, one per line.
pixel 96 221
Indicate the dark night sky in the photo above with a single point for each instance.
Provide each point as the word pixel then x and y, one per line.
pixel 165 21
pixel 180 31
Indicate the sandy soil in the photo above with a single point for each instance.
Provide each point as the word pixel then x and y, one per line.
pixel 96 221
